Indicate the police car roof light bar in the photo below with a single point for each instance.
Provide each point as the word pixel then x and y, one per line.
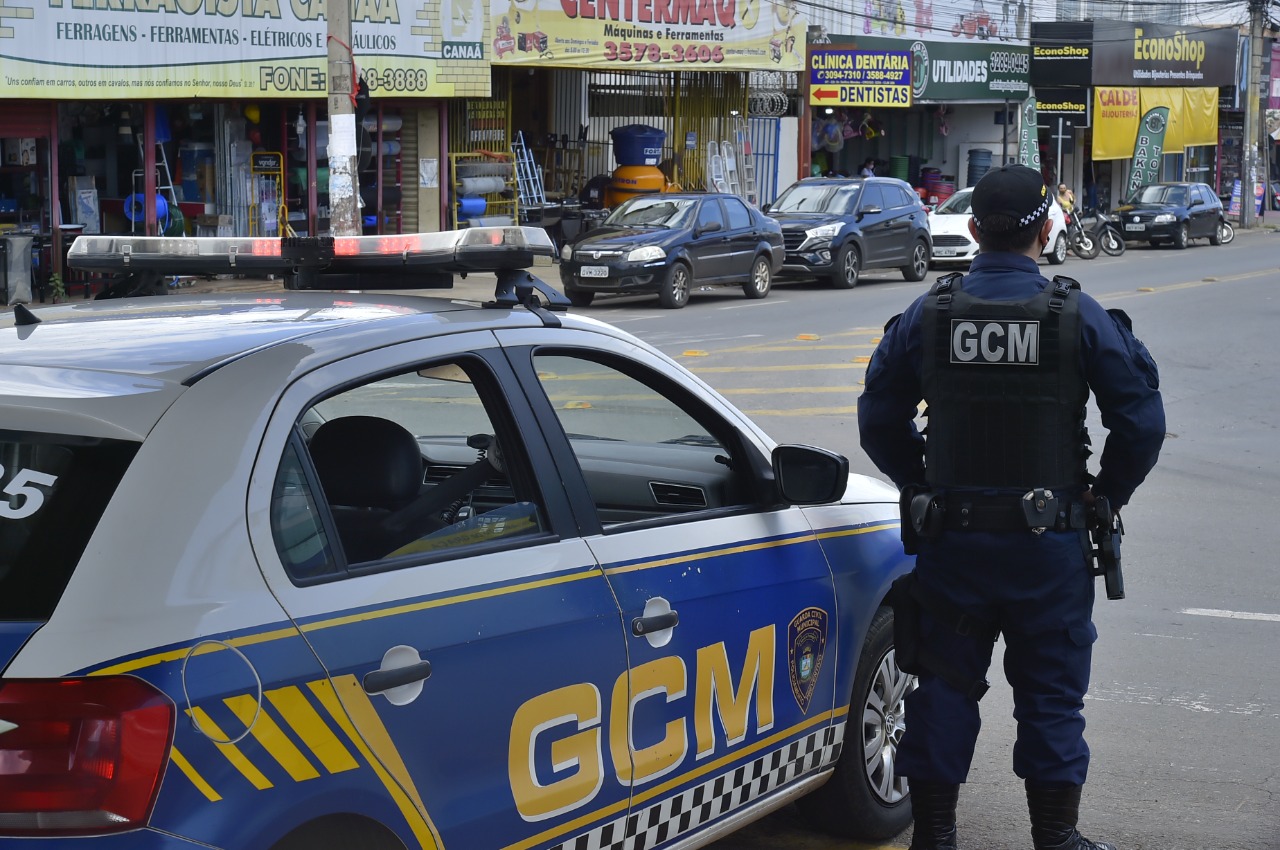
pixel 398 261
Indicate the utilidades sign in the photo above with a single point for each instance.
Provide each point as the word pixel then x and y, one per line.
pixel 957 71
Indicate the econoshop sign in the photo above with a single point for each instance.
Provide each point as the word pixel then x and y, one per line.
pixel 950 71
pixel 1145 54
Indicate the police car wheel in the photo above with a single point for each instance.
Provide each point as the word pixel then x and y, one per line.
pixel 848 266
pixel 340 832
pixel 919 265
pixel 866 799
pixel 580 297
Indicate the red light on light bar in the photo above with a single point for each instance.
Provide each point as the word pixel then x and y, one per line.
pixel 266 247
pixel 346 246
pixel 495 237
pixel 398 244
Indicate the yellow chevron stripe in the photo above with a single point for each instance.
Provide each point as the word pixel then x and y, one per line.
pixel 374 743
pixel 307 723
pixel 191 773
pixel 238 759
pixel 272 738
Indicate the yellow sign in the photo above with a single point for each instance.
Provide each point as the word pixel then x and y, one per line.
pixel 671 35
pixel 1193 118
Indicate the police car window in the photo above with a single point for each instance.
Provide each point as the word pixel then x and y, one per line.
pixel 55 488
pixel 642 454
pixel 709 213
pixel 739 215
pixel 420 465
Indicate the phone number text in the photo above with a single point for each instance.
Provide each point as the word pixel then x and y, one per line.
pixel 641 51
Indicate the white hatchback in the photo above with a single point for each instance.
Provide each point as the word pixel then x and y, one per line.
pixel 952 242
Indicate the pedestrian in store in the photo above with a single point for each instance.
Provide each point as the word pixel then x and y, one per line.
pixel 868 168
pixel 997 501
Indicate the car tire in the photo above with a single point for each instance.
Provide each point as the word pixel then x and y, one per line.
pixel 1058 255
pixel 865 799
pixel 848 267
pixel 761 279
pixel 674 293
pixel 580 297
pixel 919 266
pixel 1182 236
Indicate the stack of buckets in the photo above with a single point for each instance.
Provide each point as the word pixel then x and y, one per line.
pixel 638 149
pixel 979 164
pixel 938 186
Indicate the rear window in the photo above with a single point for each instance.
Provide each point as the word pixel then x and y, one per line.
pixel 53 490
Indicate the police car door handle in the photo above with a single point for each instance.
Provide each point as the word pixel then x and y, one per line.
pixel 377 681
pixel 642 626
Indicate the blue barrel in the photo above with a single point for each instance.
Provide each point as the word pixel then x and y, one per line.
pixel 637 144
pixel 979 164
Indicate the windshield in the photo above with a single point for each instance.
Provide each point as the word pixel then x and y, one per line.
pixel 656 211
pixel 57 488
pixel 957 204
pixel 838 198
pixel 1176 195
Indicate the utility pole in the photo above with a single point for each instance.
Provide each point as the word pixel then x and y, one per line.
pixel 344 188
pixel 1249 153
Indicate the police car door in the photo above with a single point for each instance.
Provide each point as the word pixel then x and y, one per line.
pixel 471 640
pixel 729 607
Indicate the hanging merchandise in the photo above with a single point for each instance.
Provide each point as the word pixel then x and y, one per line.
pixel 832 135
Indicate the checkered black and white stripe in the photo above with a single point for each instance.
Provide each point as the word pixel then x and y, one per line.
pixel 702 804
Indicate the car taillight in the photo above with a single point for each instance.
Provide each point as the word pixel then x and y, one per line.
pixel 80 756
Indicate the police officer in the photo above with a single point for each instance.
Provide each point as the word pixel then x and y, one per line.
pixel 997 491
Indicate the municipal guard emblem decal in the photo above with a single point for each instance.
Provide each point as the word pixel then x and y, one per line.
pixel 806 644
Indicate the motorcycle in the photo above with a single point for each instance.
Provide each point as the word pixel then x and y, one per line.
pixel 1082 243
pixel 1106 232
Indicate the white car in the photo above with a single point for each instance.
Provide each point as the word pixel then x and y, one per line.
pixel 952 243
pixel 318 571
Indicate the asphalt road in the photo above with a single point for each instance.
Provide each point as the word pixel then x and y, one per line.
pixel 1184 707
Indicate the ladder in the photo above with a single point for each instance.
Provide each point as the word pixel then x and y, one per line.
pixel 528 176
pixel 730 158
pixel 747 161
pixel 164 179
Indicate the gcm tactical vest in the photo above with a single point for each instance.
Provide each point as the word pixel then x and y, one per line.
pixel 1005 388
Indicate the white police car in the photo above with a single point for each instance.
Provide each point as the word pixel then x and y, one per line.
pixel 333 571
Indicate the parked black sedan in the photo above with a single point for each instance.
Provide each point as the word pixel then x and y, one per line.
pixel 670 244
pixel 836 227
pixel 1174 213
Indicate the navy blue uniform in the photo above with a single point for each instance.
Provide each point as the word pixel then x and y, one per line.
pixel 1036 588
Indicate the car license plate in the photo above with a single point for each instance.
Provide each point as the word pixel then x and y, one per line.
pixel 594 271
pixel 945 252
pixel 1135 227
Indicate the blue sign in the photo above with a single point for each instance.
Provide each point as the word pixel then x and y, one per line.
pixel 859 77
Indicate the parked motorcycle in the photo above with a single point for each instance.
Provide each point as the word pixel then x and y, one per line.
pixel 1081 242
pixel 1106 232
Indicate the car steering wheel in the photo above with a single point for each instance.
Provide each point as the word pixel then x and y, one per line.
pixel 423 514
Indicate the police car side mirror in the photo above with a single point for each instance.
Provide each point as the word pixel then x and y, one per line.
pixel 808 475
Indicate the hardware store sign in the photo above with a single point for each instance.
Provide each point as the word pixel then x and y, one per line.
pixel 131 49
pixel 954 71
pixel 859 77
pixel 670 35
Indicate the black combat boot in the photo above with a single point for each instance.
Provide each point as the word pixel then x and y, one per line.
pixel 1055 811
pixel 933 805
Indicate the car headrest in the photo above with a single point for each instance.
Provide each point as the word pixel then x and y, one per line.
pixel 367 462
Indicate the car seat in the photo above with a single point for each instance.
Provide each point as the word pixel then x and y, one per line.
pixel 369 468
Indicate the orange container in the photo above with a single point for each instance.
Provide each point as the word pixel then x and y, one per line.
pixel 632 180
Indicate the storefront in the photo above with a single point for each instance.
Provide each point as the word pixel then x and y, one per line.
pixel 962 115
pixel 180 123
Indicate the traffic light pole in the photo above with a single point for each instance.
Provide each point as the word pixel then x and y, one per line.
pixel 344 188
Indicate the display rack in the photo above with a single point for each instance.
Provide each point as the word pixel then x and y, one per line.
pixel 296 186
pixel 467 171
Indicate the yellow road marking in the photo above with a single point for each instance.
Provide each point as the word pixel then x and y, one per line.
pixel 1190 284
pixel 694 352
pixel 807 337
pixel 790 367
pixel 191 773
pixel 272 738
pixel 788 390
pixel 805 411
pixel 307 723
pixel 238 759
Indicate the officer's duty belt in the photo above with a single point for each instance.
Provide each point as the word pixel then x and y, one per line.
pixel 966 512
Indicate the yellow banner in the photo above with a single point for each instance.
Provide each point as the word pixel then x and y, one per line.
pixel 671 35
pixel 1193 118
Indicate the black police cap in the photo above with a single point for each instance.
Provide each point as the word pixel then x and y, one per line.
pixel 1011 190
